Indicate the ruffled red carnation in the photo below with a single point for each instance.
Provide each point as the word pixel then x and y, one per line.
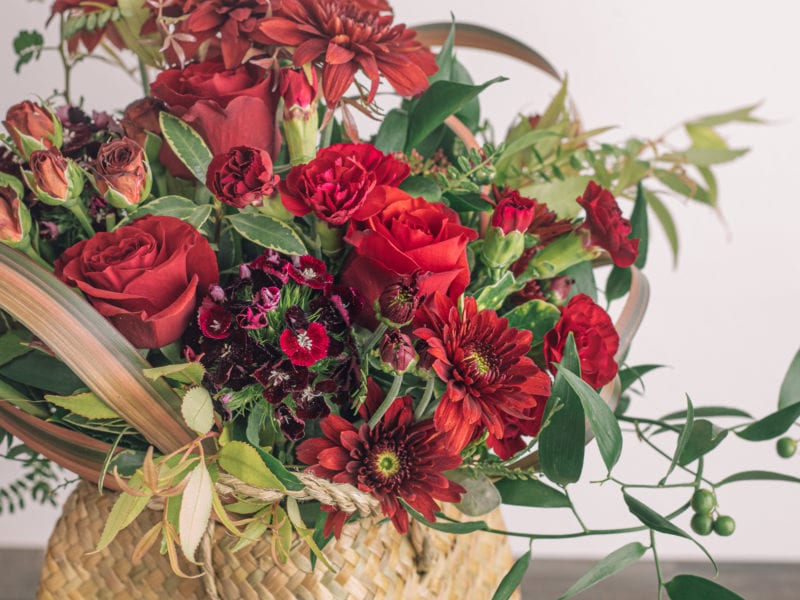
pixel 606 226
pixel 484 364
pixel 349 36
pixel 242 176
pixel 396 460
pixel 595 338
pixel 304 347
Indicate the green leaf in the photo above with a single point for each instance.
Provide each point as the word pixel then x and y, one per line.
pixel 187 145
pixel 757 476
pixel 447 526
pixel 703 438
pixel 513 578
pixel 42 371
pixel 692 587
pixel 178 207
pixel 562 440
pixel 790 388
pixel 189 373
pixel 583 276
pixel 86 405
pixel 13 396
pixel 123 513
pixel 267 232
pixel 493 296
pixel 683 438
pixel 560 196
pixel 708 411
pixel 555 109
pixel 442 99
pixel 446 57
pixel 610 565
pixel 481 496
pixel 683 185
pixel 704 157
pixel 601 418
pixel 639 227
pixel 286 477
pixel 531 492
pixel 422 187
pixel 741 115
pixel 28 46
pixel 393 132
pixel 197 409
pixel 13 344
pixel 772 425
pixel 243 461
pixel 656 522
pixel 254 422
pixel 630 375
pixel 618 283
pixel 195 509
pixel 14 182
pixel 667 223
pixel 536 316
pixel 466 202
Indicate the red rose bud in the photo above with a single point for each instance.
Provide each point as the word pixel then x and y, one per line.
pixel 15 220
pixel 122 173
pixel 55 180
pixel 397 351
pixel 606 227
pixel 141 117
pixel 33 127
pixel 242 176
pixel 398 303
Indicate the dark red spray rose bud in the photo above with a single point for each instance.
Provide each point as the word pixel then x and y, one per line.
pixel 15 220
pixel 304 347
pixel 397 351
pixel 398 303
pixel 122 174
pixel 54 179
pixel 533 121
pixel 606 227
pixel 242 176
pixel 513 212
pixel 141 117
pixel 33 127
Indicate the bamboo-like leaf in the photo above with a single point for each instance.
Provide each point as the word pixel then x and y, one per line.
pixel 123 513
pixel 483 38
pixel 195 509
pixel 90 346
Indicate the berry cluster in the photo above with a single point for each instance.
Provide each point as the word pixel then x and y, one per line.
pixel 704 521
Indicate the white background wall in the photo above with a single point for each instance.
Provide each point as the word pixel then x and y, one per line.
pixel 727 319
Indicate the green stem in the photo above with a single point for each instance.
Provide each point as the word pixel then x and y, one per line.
pixel 65 63
pixel 426 399
pixel 327 134
pixel 698 475
pixel 659 575
pixel 391 396
pixel 574 510
pixel 374 338
pixel 31 253
pixel 144 77
pixel 80 214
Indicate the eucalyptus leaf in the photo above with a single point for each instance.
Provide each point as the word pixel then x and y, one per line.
pixel 605 568
pixel 790 388
pixel 513 578
pixel 267 232
pixel 531 492
pixel 481 495
pixel 692 587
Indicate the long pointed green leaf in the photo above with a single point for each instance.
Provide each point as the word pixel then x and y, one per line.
pixel 757 476
pixel 89 345
pixel 692 587
pixel 513 578
pixel 790 388
pixel 772 425
pixel 610 565
pixel 683 438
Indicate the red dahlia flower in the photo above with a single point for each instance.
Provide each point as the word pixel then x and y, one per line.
pixel 595 338
pixel 606 226
pixel 350 35
pixel 397 460
pixel 484 364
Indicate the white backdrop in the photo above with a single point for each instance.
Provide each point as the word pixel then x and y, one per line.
pixel 726 320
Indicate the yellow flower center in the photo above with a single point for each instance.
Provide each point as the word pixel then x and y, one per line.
pixel 387 463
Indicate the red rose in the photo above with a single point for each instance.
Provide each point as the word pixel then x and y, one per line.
pixel 15 221
pixel 595 338
pixel 410 235
pixel 145 277
pixel 122 174
pixel 241 177
pixel 227 108
pixel 338 184
pixel 29 120
pixel 606 226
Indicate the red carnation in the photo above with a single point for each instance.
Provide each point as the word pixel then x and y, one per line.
pixel 396 460
pixel 348 35
pixel 513 212
pixel 242 176
pixel 595 338
pixel 514 427
pixel 606 226
pixel 484 364
pixel 304 347
pixel 338 184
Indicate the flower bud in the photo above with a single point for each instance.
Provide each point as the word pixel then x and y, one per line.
pixel 54 179
pixel 141 117
pixel 300 118
pixel 122 174
pixel 241 177
pixel 15 220
pixel 397 351
pixel 513 213
pixel 398 303
pixel 33 127
pixel 505 239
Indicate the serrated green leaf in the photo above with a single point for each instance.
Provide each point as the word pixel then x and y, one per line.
pixel 123 513
pixel 513 578
pixel 531 492
pixel 757 476
pixel 772 425
pixel 267 232
pixel 187 145
pixel 86 405
pixel 683 438
pixel 692 587
pixel 27 46
pixel 422 187
pixel 605 568
pixel 197 409
pixel 243 461
pixel 189 373
pixel 703 438
pixel 790 388
pixel 536 316
pixel 195 509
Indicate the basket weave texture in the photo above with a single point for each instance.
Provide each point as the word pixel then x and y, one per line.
pixel 372 561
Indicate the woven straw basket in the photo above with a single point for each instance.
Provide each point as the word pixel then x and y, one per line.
pixel 371 562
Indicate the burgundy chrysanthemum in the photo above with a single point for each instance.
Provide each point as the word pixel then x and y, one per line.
pixel 304 347
pixel 484 364
pixel 350 36
pixel 396 460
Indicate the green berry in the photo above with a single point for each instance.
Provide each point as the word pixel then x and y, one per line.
pixel 703 501
pixel 702 524
pixel 787 447
pixel 724 525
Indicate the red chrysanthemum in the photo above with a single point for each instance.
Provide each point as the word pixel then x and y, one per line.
pixel 304 347
pixel 484 364
pixel 396 460
pixel 349 35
